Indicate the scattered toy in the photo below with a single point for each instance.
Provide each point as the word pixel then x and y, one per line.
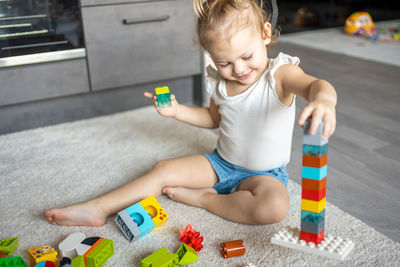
pixel 141 218
pixel 160 258
pixel 191 237
pixel 12 262
pixel 232 248
pixel 42 253
pixel 8 245
pixel 187 255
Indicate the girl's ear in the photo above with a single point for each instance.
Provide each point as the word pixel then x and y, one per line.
pixel 267 33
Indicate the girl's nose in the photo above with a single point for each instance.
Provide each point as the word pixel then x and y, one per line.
pixel 238 68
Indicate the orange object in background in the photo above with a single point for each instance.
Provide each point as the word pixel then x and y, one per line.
pixel 232 248
pixel 360 23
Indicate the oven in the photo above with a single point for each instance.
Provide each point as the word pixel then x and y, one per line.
pixel 35 31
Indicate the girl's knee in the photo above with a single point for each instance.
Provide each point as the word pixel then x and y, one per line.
pixel 271 210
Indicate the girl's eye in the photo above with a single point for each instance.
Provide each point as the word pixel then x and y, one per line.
pixel 223 65
pixel 248 57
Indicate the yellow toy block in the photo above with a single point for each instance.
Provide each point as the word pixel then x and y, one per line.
pixel 162 90
pixel 313 206
pixel 42 253
pixel 157 213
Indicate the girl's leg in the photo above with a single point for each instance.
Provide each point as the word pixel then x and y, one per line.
pixel 259 200
pixel 190 172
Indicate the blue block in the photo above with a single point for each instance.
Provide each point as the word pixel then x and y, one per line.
pixel 315 151
pixel 313 217
pixel 142 218
pixel 314 173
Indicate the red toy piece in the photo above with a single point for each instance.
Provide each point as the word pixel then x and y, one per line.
pixel 232 248
pixel 191 237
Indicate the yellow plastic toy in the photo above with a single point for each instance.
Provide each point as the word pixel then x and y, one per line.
pixel 157 213
pixel 360 23
pixel 42 253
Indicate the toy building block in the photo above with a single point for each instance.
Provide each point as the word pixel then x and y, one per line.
pixel 316 139
pixel 163 97
pixel 313 206
pixel 160 258
pixel 8 245
pixel 312 216
pixel 313 194
pixel 232 248
pixel 332 247
pixel 42 253
pixel 311 237
pixel 312 227
pixel 78 262
pixel 315 151
pixel 313 184
pixel 141 218
pixel 69 245
pixel 157 213
pixel 314 173
pixel 2 255
pixel 12 262
pixel 315 162
pixel 187 255
pixel 100 251
pixel 46 264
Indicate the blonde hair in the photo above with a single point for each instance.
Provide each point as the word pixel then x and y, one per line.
pixel 212 14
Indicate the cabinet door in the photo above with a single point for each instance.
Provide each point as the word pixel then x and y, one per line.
pixel 140 42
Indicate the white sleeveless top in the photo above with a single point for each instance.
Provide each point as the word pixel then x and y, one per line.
pixel 256 129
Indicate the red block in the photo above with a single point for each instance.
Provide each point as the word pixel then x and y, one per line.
pixel 310 237
pixel 315 162
pixel 313 194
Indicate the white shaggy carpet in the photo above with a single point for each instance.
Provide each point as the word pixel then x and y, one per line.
pixel 72 162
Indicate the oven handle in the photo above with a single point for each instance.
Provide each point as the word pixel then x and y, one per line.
pixel 145 20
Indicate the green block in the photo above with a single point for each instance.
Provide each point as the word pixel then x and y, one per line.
pixel 187 255
pixel 160 258
pixel 12 262
pixel 164 100
pixel 8 245
pixel 100 255
pixel 78 262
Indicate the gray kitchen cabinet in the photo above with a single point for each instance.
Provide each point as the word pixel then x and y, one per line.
pixel 20 84
pixel 139 42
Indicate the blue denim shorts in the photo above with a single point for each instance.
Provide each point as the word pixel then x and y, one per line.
pixel 230 175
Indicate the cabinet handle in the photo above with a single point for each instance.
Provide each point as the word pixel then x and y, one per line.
pixel 144 20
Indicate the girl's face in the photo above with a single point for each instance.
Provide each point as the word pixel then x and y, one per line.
pixel 243 57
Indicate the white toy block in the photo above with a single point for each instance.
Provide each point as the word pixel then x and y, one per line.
pixel 69 245
pixel 332 247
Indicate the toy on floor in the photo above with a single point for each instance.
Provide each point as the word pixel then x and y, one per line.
pixel 191 237
pixel 12 262
pixel 361 24
pixel 311 237
pixel 46 264
pixel 232 249
pixel 163 97
pixel 85 252
pixel 141 218
pixel 8 245
pixel 42 253
pixel 184 256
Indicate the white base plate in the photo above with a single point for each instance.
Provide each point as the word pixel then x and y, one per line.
pixel 332 247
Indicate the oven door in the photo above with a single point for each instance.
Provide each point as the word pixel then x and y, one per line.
pixel 33 31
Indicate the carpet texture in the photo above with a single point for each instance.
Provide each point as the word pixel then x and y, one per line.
pixel 73 162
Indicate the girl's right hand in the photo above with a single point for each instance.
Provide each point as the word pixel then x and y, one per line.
pixel 168 111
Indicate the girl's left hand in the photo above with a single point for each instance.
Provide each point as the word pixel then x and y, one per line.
pixel 319 110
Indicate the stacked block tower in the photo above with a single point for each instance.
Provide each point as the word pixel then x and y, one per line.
pixel 313 192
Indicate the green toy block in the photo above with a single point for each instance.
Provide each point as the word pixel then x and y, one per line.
pixel 78 262
pixel 12 262
pixel 100 254
pixel 163 97
pixel 8 245
pixel 160 258
pixel 187 255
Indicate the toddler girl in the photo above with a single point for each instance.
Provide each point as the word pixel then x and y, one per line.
pixel 253 105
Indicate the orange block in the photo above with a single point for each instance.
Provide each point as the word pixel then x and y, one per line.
pixel 232 248
pixel 315 162
pixel 313 194
pixel 313 184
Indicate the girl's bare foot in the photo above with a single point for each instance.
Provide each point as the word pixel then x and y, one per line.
pixel 86 214
pixel 188 196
